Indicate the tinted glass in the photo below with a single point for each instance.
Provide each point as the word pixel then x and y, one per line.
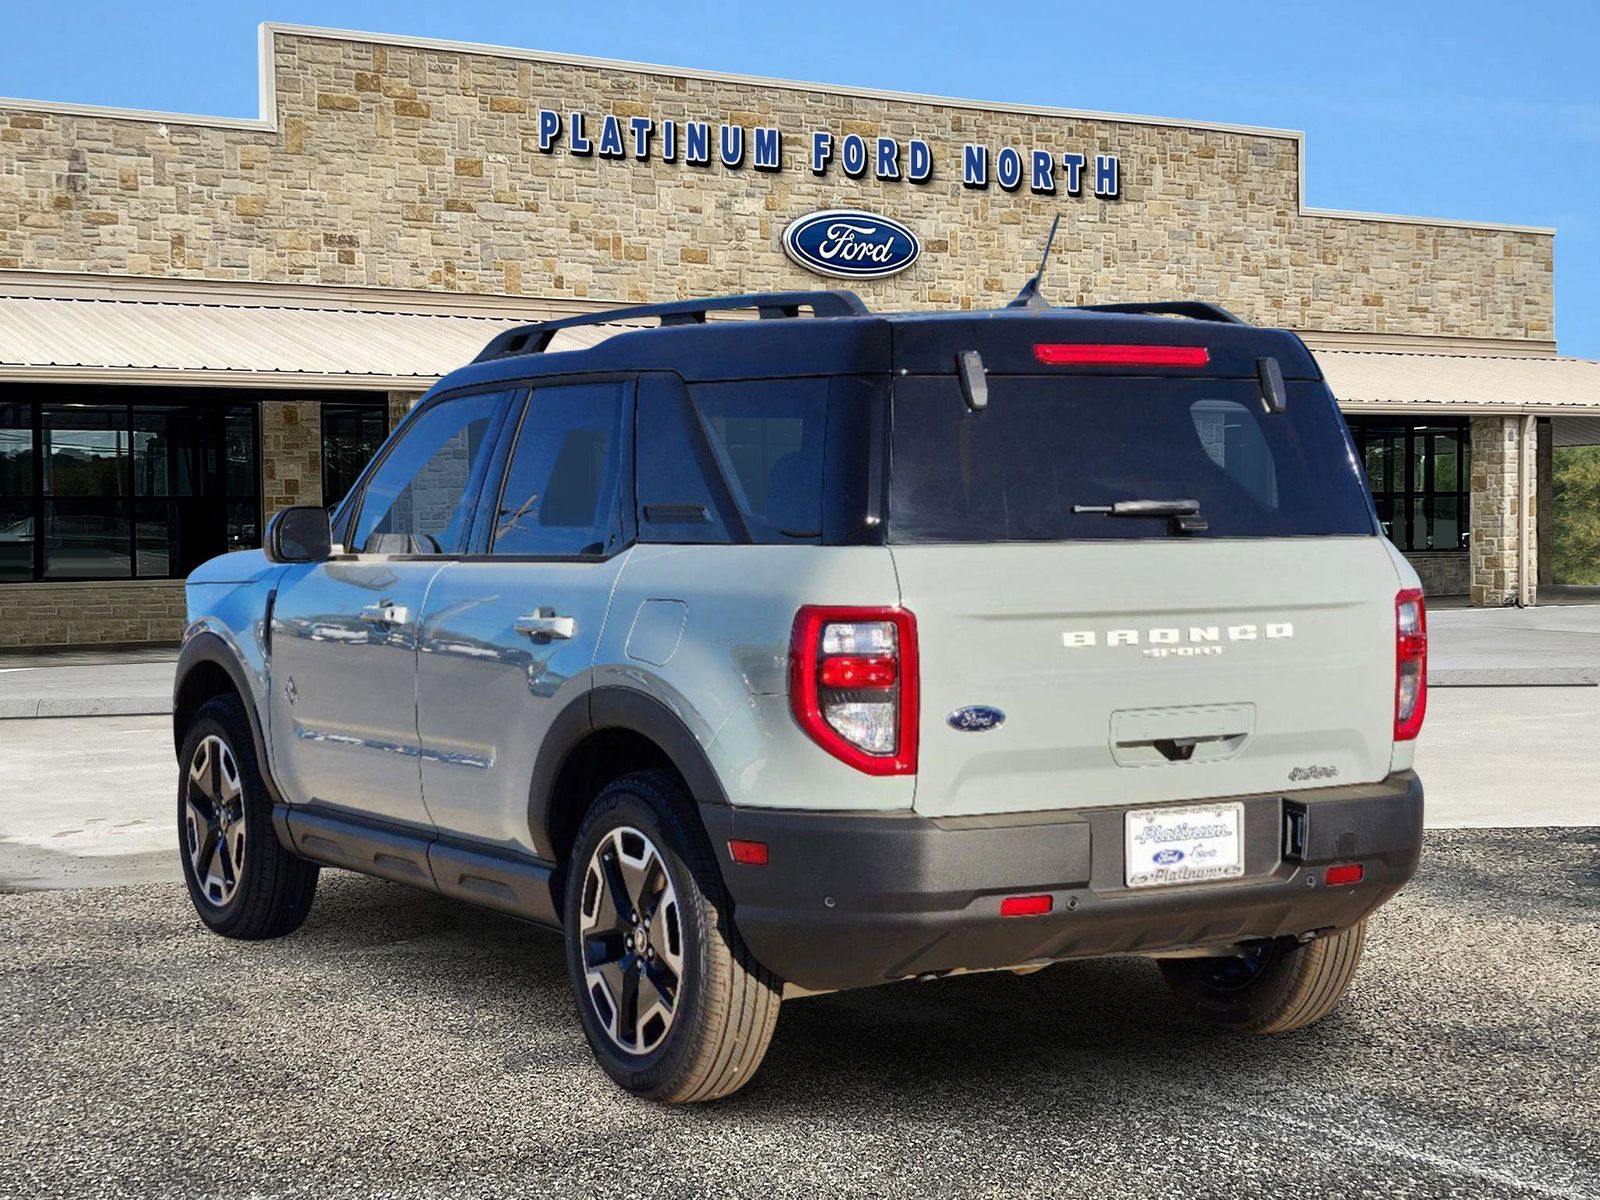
pixel 1420 478
pixel 86 539
pixel 86 451
pixel 351 435
pixel 418 500
pixel 561 494
pixel 1017 470
pixel 768 438
pixel 675 470
pixel 16 490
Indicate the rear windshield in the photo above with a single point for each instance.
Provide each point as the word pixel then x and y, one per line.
pixel 1016 470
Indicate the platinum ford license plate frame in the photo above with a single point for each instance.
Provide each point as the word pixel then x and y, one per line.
pixel 1201 843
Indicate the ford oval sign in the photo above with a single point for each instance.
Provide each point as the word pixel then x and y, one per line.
pixel 976 718
pixel 1166 858
pixel 849 244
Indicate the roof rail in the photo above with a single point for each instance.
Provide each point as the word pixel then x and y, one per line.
pixel 534 338
pixel 1199 310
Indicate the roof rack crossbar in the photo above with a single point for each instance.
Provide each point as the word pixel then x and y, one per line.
pixel 535 338
pixel 1198 310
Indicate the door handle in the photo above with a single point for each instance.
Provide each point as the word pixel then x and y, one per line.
pixel 543 622
pixel 384 613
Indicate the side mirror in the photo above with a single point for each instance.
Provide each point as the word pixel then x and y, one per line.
pixel 299 535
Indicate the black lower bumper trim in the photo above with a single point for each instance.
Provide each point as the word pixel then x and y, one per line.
pixel 848 899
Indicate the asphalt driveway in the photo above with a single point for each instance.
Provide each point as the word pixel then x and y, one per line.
pixel 401 1045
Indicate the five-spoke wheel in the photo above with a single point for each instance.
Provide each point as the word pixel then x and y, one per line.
pixel 214 825
pixel 632 940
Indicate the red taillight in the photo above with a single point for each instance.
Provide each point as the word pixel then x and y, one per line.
pixel 1410 663
pixel 858 671
pixel 752 854
pixel 1348 873
pixel 1025 906
pixel 853 685
pixel 1077 354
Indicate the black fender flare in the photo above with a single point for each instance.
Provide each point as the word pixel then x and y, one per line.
pixel 616 708
pixel 210 648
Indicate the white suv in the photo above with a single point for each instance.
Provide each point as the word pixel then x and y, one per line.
pixel 772 657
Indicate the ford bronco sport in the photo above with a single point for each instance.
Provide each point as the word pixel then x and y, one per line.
pixel 780 656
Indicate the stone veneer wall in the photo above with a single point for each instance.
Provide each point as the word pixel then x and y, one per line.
pixel 1497 511
pixel 419 167
pixel 1444 572
pixel 63 614
pixel 291 454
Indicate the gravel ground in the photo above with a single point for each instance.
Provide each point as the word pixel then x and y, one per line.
pixel 401 1045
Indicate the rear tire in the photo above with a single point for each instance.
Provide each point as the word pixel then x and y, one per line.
pixel 243 883
pixel 1276 988
pixel 674 1006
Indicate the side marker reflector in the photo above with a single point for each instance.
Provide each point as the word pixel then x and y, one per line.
pixel 751 854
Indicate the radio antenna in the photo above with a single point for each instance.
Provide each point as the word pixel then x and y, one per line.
pixel 1029 296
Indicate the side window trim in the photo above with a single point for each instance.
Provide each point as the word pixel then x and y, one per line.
pixel 475 481
pixel 494 498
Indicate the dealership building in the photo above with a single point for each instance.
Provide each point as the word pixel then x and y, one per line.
pixel 205 319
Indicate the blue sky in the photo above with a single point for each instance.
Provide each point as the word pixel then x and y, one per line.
pixel 1467 110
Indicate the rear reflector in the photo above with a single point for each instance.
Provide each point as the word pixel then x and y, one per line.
pixel 1348 873
pixel 752 854
pixel 1077 354
pixel 1025 906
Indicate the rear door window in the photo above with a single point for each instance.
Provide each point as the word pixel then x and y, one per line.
pixel 562 493
pixel 1043 447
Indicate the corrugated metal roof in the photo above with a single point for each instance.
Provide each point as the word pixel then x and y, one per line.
pixel 1461 381
pixel 116 336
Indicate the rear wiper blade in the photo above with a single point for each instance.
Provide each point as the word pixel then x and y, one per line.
pixel 1142 508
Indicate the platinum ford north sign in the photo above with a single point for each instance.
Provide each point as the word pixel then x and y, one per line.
pixel 850 244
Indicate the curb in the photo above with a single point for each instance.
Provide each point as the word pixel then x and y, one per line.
pixel 1466 677
pixel 102 706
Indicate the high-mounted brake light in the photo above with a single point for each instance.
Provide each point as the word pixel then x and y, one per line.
pixel 853 685
pixel 1078 354
pixel 1410 663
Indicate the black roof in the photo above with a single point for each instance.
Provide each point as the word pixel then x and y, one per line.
pixel 844 338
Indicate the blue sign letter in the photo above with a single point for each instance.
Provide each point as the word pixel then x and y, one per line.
pixel 1073 165
pixel 579 143
pixel 821 152
pixel 1043 175
pixel 641 127
pixel 855 155
pixel 888 154
pixel 669 141
pixel 1008 168
pixel 1105 174
pixel 611 137
pixel 732 145
pixel 769 149
pixel 549 129
pixel 974 166
pixel 696 143
pixel 921 165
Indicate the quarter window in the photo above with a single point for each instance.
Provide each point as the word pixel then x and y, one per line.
pixel 562 490
pixel 768 439
pixel 418 501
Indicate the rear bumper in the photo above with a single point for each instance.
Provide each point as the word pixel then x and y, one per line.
pixel 849 900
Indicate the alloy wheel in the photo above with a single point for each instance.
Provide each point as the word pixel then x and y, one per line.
pixel 214 826
pixel 632 941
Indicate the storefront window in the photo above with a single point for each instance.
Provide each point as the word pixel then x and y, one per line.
pixel 125 483
pixel 1419 474
pixel 351 435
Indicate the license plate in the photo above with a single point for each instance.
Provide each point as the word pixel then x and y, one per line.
pixel 1184 845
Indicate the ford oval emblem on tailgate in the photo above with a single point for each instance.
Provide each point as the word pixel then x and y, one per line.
pixel 976 718
pixel 850 244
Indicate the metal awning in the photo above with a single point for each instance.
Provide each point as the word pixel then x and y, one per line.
pixel 61 339
pixel 1372 382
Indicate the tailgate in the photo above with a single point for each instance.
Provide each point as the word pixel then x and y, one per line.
pixel 1135 672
